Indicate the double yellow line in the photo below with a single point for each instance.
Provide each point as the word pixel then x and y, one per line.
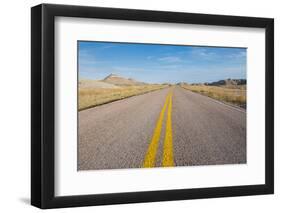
pixel 167 158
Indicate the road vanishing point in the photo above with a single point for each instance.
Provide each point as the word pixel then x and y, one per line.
pixel 165 128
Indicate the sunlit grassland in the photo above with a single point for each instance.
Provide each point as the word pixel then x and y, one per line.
pixel 90 97
pixel 232 94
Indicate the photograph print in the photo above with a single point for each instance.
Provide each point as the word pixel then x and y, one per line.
pixel 160 105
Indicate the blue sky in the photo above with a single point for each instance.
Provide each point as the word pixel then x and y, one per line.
pixel 154 63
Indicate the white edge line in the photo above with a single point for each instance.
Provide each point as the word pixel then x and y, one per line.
pixel 219 102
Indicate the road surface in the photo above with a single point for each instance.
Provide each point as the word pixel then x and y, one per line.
pixel 168 127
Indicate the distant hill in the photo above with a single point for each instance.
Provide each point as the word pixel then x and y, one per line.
pixel 228 82
pixel 121 81
pixel 95 84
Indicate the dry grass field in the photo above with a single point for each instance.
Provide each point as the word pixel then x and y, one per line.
pixel 90 97
pixel 234 94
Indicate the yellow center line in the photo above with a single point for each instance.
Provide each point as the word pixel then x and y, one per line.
pixel 168 158
pixel 149 160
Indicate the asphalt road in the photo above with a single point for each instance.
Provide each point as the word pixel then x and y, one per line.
pixel 169 127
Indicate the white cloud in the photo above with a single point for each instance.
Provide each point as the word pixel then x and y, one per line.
pixel 170 59
pixel 204 53
pixel 238 55
pixel 108 46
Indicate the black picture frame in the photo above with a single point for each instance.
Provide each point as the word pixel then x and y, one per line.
pixel 43 101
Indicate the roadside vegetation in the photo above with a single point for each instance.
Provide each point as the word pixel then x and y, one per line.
pixel 234 94
pixel 90 97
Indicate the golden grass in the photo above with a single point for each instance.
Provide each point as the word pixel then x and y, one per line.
pixel 234 95
pixel 90 97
